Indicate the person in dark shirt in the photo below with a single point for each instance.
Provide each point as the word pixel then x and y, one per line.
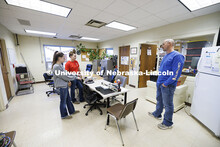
pixel 169 73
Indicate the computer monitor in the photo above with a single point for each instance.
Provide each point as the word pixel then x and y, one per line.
pixel 194 62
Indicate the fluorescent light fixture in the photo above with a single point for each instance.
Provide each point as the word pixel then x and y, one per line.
pixel 88 38
pixel 41 6
pixel 193 5
pixel 120 26
pixel 40 32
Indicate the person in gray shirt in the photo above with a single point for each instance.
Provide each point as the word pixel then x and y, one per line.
pixel 61 81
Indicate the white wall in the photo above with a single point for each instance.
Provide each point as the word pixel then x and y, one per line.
pixel 8 37
pixel 33 52
pixel 199 26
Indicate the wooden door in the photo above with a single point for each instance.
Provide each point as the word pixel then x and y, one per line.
pixel 124 52
pixel 4 70
pixel 147 62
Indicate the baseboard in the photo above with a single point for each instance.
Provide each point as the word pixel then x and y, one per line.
pixel 132 85
pixel 39 82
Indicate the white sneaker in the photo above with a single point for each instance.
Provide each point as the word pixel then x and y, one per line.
pixel 164 127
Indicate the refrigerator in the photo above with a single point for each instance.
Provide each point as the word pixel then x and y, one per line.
pixel 206 99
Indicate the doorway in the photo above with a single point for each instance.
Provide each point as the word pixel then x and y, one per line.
pixel 4 69
pixel 147 62
pixel 124 59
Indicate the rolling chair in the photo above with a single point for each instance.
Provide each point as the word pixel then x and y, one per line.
pixel 48 80
pixel 120 111
pixel 113 76
pixel 89 67
pixel 93 100
pixel 123 81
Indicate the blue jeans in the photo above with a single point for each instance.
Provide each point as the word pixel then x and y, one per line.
pixel 65 103
pixel 79 85
pixel 165 99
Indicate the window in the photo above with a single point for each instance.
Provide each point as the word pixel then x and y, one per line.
pixel 49 51
pixel 109 51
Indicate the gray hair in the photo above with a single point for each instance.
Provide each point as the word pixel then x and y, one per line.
pixel 170 41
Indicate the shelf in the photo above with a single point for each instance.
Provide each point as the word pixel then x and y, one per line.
pixel 193 55
pixel 194 48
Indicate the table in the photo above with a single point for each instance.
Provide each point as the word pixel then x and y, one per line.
pixel 108 96
pixel 12 136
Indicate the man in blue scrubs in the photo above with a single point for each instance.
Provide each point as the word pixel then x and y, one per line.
pixel 166 84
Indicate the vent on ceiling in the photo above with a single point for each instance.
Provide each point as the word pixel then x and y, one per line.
pixel 95 23
pixel 24 22
pixel 75 37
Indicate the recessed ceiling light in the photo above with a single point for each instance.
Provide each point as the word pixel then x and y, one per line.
pixel 40 32
pixel 88 38
pixel 193 5
pixel 120 26
pixel 41 6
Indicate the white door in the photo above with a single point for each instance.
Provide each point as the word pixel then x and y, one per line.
pixel 206 101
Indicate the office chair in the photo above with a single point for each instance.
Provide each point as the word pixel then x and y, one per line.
pixel 102 71
pixel 48 80
pixel 113 76
pixel 120 111
pixel 123 81
pixel 89 67
pixel 93 100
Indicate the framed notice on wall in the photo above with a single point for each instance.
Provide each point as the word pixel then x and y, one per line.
pixel 134 50
pixel 124 60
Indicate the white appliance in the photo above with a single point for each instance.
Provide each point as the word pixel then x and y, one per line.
pixel 206 100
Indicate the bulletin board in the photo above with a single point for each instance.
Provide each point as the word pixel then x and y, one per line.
pixel 85 56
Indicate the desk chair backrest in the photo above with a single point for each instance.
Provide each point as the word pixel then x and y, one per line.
pixel 89 95
pixel 102 71
pixel 129 107
pixel 114 75
pixel 89 67
pixel 123 80
pixel 47 77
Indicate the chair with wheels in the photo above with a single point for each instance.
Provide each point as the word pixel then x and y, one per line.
pixel 123 81
pixel 89 67
pixel 93 100
pixel 48 80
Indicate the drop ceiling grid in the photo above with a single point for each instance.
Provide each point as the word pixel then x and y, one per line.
pixel 143 14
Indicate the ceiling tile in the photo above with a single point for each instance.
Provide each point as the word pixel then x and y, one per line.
pixel 138 3
pixel 137 14
pixel 180 17
pixel 149 20
pixel 156 6
pixel 106 17
pixel 85 11
pixel 172 12
pixel 207 10
pixel 120 8
pixel 98 4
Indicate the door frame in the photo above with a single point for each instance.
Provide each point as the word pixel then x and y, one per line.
pixel 6 61
pixel 119 57
pixel 139 56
